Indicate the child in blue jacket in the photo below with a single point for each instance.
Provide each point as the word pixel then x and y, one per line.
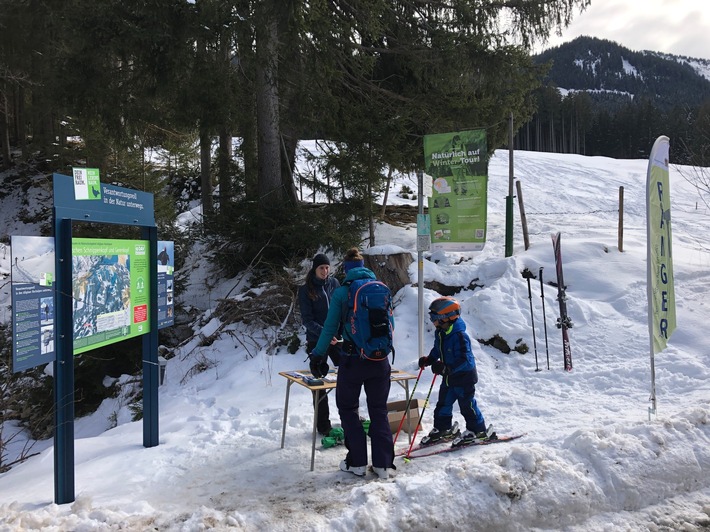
pixel 453 359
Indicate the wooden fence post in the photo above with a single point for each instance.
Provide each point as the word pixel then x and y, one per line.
pixel 621 219
pixel 523 219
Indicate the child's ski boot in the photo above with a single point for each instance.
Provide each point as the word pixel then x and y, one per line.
pixel 437 435
pixel 469 437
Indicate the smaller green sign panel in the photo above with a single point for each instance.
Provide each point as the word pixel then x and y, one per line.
pixel 87 185
pixel 110 291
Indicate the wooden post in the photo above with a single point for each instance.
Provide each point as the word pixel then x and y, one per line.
pixel 523 220
pixel 621 219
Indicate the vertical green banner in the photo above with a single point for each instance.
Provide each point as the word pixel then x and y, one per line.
pixel 661 293
pixel 458 206
pixel 111 293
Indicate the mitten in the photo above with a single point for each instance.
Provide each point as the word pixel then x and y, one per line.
pixel 319 367
pixel 440 368
pixel 424 362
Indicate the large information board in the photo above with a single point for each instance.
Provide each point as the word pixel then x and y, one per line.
pixel 111 292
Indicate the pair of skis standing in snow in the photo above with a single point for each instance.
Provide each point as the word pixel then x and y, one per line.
pixel 563 322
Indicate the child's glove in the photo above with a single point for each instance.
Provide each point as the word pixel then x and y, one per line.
pixel 440 368
pixel 424 362
pixel 319 367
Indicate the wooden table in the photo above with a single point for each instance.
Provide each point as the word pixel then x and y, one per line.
pixel 304 378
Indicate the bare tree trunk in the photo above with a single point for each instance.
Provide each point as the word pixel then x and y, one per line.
pixel 205 182
pixel 370 214
pixel 21 123
pixel 289 153
pixel 4 131
pixel 271 192
pixel 251 158
pixel 224 158
pixel 387 191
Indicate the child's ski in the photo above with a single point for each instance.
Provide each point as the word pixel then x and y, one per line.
pixel 563 322
pixel 438 449
pixel 454 433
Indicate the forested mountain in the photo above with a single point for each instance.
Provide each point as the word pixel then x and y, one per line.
pixel 600 98
pixel 603 67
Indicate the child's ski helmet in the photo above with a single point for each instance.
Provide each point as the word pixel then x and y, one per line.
pixel 444 309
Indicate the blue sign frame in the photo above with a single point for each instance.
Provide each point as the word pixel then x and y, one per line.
pixel 113 205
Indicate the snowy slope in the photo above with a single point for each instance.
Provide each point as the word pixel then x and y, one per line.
pixel 591 459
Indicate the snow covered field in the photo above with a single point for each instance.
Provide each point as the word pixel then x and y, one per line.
pixel 591 459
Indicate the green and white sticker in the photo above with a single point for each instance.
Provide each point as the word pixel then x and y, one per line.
pixel 87 185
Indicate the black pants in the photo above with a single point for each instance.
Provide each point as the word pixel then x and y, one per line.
pixel 354 374
pixel 323 422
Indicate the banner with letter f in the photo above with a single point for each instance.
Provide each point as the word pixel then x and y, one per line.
pixel 660 291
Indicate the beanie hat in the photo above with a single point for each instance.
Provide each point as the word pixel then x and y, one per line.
pixel 320 260
pixel 350 264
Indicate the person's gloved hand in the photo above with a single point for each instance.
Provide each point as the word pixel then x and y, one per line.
pixel 440 368
pixel 319 367
pixel 424 362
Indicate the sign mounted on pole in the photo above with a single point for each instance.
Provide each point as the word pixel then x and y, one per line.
pixel 458 164
pixel 33 307
pixel 166 283
pixel 110 289
pixel 134 263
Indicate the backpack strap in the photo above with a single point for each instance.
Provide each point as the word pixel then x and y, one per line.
pixel 344 306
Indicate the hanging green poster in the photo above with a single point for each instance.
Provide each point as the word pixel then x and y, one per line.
pixel 458 165
pixel 110 291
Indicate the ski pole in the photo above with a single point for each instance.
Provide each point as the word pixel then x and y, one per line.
pixel 532 320
pixel 416 429
pixel 544 319
pixel 406 410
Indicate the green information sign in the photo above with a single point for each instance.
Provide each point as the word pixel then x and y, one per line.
pixel 110 291
pixel 458 164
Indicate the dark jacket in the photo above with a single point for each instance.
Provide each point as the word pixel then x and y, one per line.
pixel 314 311
pixel 453 347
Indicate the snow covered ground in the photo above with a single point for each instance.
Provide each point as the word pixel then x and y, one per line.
pixel 590 459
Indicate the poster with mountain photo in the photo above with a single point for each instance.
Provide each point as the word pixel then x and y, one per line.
pixel 32 275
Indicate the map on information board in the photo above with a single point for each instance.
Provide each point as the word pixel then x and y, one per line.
pixel 110 291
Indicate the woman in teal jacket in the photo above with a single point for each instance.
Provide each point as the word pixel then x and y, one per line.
pixel 354 373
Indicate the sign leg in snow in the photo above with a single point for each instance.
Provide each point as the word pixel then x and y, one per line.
pixel 563 322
